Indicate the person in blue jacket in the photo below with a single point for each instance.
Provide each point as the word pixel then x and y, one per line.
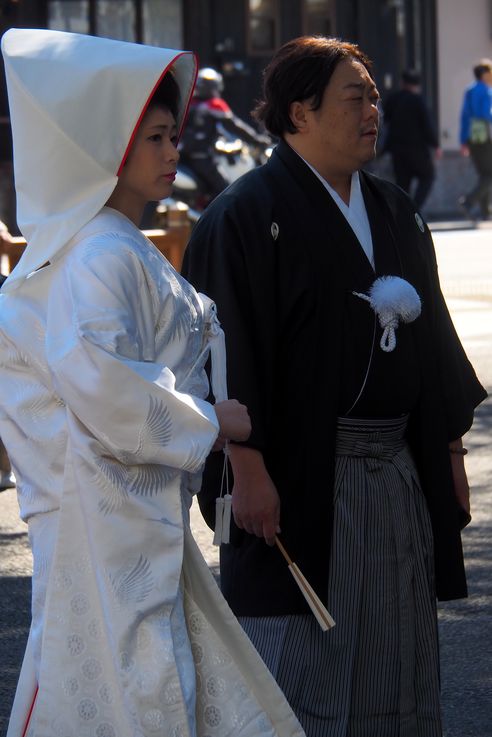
pixel 475 138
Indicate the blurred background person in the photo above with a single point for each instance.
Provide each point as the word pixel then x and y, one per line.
pixel 210 118
pixel 475 138
pixel 411 138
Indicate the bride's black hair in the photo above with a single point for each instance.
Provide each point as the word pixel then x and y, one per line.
pixel 166 95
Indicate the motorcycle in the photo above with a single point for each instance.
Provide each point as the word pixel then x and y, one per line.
pixel 231 158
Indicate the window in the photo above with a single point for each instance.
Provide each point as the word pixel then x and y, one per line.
pixel 319 17
pixel 162 23
pixel 153 22
pixel 69 15
pixel 109 18
pixel 263 26
pixel 116 19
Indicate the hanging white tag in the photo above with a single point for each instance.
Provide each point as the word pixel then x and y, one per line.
pixel 219 517
pixel 226 518
pixel 223 506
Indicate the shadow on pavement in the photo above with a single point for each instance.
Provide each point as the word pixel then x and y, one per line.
pixel 15 618
pixel 482 425
pixel 466 625
pixel 11 538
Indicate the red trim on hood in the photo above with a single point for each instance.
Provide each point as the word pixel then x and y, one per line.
pixel 190 96
pixel 144 109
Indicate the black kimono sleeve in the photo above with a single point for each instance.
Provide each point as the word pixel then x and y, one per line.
pixel 453 390
pixel 220 262
pixel 449 394
pixel 230 258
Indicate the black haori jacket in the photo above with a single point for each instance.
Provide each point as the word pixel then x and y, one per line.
pixel 272 251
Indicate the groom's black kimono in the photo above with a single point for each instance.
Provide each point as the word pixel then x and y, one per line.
pixel 282 263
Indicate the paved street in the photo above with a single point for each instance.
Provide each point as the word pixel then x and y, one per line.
pixel 465 264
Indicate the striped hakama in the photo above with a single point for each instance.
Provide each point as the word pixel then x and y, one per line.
pixel 376 673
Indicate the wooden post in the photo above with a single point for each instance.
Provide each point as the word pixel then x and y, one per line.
pixel 170 241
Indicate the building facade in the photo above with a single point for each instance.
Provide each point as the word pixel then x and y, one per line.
pixel 439 38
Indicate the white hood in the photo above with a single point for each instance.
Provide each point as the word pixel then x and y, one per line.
pixel 75 103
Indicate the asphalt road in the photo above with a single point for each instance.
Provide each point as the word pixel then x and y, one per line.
pixel 465 265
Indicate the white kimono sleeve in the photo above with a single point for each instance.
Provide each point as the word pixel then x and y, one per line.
pixel 100 324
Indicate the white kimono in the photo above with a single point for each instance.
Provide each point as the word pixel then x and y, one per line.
pixel 103 392
pixel 103 413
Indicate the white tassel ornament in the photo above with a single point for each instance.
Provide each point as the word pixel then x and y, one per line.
pixel 223 506
pixel 219 516
pixel 226 518
pixel 392 299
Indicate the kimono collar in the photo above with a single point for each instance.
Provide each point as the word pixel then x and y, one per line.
pixel 326 219
pixel 355 212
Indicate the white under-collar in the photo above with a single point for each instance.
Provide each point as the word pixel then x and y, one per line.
pixel 355 212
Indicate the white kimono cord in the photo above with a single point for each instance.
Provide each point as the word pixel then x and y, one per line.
pixel 392 299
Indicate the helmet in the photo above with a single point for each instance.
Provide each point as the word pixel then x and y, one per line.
pixel 209 83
